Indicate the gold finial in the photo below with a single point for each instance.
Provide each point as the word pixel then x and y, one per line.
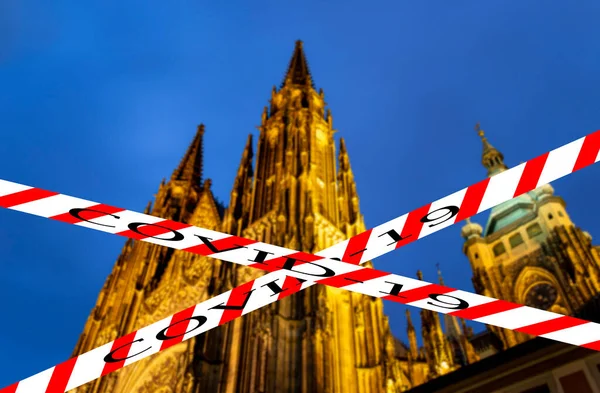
pixel 420 275
pixel 468 220
pixel 479 130
pixel 492 159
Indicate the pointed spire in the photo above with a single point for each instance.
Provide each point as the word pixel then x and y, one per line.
pixel 148 208
pixel 343 159
pixel 244 172
pixel 412 336
pixel 298 72
pixel 238 202
pixel 452 328
pixel 439 273
pixel 190 168
pixel 348 201
pixel 463 325
pixel 449 320
pixel 470 355
pixel 247 156
pixel 491 159
pixel 342 146
pixel 409 324
pixel 248 153
pixel 486 145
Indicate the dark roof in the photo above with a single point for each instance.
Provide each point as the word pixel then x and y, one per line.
pixel 401 348
pixel 528 349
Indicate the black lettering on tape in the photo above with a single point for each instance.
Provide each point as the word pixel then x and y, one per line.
pixel 291 262
pixel 110 358
pixel 451 211
pixel 224 306
pixel 162 335
pixel 273 286
pixel 260 257
pixel 460 306
pixel 395 289
pixel 215 250
pixel 77 214
pixel 135 227
pixel 395 236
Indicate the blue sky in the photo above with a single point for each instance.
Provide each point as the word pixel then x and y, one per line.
pixel 100 99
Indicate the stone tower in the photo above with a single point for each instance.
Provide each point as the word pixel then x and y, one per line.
pixel 531 252
pixel 296 194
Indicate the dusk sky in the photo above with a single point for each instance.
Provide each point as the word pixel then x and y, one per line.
pixel 99 100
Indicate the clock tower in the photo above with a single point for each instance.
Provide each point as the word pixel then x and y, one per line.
pixel 530 252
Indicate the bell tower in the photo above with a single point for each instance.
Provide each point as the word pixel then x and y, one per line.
pixel 295 179
pixel 530 252
pixel 322 339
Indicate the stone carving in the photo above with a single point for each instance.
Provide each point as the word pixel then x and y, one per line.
pixel 245 274
pixel 157 296
pixel 197 270
pixel 107 335
pixel 174 302
pixel 161 380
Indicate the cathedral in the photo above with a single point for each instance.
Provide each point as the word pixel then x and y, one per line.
pixel 295 190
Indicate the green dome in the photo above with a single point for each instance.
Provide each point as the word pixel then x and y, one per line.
pixel 508 212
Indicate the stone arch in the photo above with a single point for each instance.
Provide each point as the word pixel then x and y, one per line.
pixel 531 276
pixel 154 373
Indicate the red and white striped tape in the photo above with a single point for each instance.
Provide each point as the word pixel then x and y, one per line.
pixel 365 246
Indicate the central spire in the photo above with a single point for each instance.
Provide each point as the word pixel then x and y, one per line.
pixel 298 72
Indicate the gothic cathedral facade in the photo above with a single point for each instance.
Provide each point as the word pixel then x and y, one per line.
pixel 297 193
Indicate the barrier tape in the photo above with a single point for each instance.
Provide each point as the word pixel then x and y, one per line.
pixel 286 279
